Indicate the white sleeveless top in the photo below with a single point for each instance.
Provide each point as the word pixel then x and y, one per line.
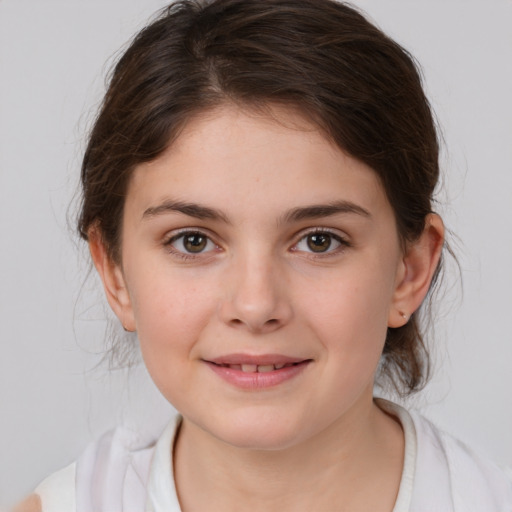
pixel 121 473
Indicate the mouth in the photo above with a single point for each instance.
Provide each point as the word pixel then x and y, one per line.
pixel 257 372
pixel 258 368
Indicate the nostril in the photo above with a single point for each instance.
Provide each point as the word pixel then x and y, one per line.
pixel 268 325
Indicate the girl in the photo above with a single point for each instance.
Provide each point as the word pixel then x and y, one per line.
pixel 257 199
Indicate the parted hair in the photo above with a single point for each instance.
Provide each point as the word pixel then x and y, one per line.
pixel 321 57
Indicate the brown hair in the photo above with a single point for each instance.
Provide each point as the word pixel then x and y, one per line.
pixel 321 57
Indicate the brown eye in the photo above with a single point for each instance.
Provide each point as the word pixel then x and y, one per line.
pixel 194 242
pixel 319 242
pixel 191 242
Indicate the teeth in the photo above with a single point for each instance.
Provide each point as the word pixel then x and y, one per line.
pixel 249 368
pixel 263 368
pixel 266 368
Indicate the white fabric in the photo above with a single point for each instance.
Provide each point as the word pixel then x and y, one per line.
pixel 122 474
pixel 161 493
pixel 112 474
pixel 57 492
pixel 403 500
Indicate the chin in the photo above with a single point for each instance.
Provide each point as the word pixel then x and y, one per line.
pixel 270 440
pixel 260 432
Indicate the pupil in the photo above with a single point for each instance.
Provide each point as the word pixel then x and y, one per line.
pixel 195 243
pixel 319 243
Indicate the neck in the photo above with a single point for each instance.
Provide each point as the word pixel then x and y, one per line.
pixel 355 463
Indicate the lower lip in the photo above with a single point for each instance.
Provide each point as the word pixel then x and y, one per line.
pixel 255 380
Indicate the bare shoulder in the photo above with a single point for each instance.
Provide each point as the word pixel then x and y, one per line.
pixel 30 504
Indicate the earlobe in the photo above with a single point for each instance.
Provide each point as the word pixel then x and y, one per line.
pixel 416 272
pixel 113 280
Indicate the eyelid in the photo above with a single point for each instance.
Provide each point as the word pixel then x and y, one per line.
pixel 171 237
pixel 174 234
pixel 334 233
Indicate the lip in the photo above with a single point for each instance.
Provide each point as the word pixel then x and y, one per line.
pixel 262 359
pixel 257 380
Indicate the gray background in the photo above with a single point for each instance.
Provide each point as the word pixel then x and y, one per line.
pixel 52 62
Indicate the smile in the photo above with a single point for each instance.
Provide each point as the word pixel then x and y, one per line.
pixel 254 368
pixel 257 372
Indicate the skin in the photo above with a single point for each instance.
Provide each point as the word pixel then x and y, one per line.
pixel 258 288
pixel 31 504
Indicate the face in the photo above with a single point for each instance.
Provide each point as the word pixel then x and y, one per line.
pixel 260 269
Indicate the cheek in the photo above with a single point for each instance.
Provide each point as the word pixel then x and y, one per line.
pixel 349 311
pixel 169 324
pixel 170 314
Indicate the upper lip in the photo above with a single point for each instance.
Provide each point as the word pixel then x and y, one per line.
pixel 259 360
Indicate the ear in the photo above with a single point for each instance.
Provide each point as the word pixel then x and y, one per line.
pixel 416 271
pixel 113 280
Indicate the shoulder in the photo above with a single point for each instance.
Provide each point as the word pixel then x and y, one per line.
pixel 31 504
pixel 475 483
pixel 443 474
pixel 112 471
pixel 57 492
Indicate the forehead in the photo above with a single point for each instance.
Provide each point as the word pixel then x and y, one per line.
pixel 251 160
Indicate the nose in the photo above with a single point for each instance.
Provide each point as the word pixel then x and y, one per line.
pixel 256 295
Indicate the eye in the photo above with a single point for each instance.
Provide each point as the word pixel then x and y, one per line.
pixel 320 242
pixel 191 242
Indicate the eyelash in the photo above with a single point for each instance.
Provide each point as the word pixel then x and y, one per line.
pixel 168 243
pixel 343 243
pixel 183 254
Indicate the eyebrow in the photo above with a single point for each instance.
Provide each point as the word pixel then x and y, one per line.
pixel 201 212
pixel 324 210
pixel 191 209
